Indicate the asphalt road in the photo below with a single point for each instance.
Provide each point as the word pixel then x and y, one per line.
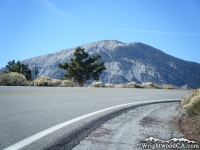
pixel 25 111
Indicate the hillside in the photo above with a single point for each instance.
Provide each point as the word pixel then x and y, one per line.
pixel 126 62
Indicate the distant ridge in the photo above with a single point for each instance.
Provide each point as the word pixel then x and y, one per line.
pixel 126 62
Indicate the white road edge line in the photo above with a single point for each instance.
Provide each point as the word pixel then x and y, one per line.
pixel 41 134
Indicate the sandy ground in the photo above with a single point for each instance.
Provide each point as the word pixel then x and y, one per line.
pixel 126 131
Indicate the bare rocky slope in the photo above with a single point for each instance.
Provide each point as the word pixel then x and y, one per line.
pixel 126 62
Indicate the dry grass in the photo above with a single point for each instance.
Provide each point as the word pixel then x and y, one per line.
pixel 13 79
pixel 189 126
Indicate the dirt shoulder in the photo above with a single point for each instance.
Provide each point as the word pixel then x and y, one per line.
pixel 189 126
pixel 128 130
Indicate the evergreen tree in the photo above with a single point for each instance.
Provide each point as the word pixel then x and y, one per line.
pixel 82 67
pixel 20 68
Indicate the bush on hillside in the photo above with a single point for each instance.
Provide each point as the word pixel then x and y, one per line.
pixel 13 79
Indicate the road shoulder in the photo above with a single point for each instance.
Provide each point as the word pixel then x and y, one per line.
pixel 126 131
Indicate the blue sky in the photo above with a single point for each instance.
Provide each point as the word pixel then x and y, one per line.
pixel 30 28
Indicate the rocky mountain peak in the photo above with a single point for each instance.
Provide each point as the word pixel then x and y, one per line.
pixel 103 45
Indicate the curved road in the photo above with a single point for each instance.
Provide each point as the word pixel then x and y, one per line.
pixel 25 111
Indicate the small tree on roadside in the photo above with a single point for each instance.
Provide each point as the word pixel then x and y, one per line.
pixel 20 68
pixel 82 67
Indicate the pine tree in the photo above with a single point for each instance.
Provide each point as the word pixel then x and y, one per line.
pixel 82 67
pixel 20 68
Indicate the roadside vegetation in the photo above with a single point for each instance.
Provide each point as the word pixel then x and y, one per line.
pixel 191 103
pixel 18 79
pixel 189 122
pixel 149 85
pixel 47 81
pixel 13 79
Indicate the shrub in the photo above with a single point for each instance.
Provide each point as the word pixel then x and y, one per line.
pixel 47 81
pixel 68 83
pixel 3 79
pixel 169 86
pixel 119 86
pixel 186 99
pixel 97 84
pixel 56 82
pixel 13 79
pixel 193 108
pixel 158 86
pixel 108 85
pixel 133 85
pixel 191 103
pixel 43 81
pixel 149 85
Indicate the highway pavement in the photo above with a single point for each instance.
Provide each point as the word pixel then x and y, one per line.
pixel 26 111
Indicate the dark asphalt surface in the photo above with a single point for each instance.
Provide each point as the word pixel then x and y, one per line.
pixel 25 111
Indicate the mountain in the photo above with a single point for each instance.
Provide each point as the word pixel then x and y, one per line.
pixel 126 62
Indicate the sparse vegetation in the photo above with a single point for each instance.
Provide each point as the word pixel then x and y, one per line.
pixel 149 85
pixel 13 79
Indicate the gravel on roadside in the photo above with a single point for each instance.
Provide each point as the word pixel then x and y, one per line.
pixel 127 131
